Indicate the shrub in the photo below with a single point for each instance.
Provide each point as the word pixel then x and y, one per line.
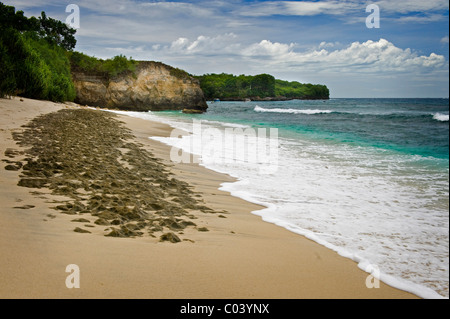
pixel 107 68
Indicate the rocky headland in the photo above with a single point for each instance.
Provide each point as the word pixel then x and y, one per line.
pixel 153 86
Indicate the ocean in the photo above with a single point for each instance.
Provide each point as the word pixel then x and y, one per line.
pixel 368 178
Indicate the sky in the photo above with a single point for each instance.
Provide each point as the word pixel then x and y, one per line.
pixel 320 42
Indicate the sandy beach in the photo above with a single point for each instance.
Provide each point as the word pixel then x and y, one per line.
pixel 224 252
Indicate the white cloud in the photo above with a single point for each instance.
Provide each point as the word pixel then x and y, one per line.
pixel 421 19
pixel 333 7
pixel 349 10
pixel 366 57
pixel 409 6
pixel 204 45
pixel 324 45
pixel 382 55
pixel 30 4
pixel 267 48
pixel 445 40
pixel 297 8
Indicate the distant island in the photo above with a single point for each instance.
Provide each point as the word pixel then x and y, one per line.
pixel 262 87
pixel 38 61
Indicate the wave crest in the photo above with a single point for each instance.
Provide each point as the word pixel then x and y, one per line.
pixel 292 111
pixel 440 117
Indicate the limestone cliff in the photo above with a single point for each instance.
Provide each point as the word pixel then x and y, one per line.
pixel 153 86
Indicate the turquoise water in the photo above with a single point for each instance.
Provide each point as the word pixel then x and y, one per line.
pixel 368 178
pixel 414 126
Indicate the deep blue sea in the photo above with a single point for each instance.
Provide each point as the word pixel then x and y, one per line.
pixel 368 178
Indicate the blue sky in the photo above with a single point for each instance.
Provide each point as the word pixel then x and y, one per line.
pixel 324 42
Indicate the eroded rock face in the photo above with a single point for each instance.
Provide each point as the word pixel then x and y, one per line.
pixel 153 86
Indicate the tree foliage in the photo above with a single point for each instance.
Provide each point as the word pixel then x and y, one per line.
pixel 296 90
pixel 16 20
pixel 108 68
pixel 230 87
pixel 55 31
pixel 34 59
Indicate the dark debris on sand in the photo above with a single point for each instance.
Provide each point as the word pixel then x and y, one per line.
pixel 91 158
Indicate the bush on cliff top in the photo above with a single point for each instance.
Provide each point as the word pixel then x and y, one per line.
pixel 107 68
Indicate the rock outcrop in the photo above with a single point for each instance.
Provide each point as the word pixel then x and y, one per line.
pixel 153 86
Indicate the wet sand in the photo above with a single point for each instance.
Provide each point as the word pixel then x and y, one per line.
pixel 95 191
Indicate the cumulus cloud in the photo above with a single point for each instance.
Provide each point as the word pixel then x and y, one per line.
pixel 268 48
pixel 203 45
pixel 369 56
pixel 383 55
pixel 366 57
pixel 324 45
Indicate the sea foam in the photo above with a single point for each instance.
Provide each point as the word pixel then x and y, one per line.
pixel 292 111
pixel 351 200
pixel 441 117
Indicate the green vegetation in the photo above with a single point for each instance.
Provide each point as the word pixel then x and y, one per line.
pixel 230 87
pixel 37 57
pixel 34 56
pixel 296 90
pixel 178 73
pixel 106 68
pixel 55 31
pixel 32 67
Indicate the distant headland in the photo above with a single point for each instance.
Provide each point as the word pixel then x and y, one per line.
pixel 262 87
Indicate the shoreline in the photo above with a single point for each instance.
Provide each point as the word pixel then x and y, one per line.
pixel 240 256
pixel 265 215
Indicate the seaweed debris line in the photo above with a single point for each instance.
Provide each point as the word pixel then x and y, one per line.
pixel 91 158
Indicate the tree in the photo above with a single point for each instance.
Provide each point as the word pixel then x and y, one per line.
pixel 7 77
pixel 57 32
pixel 118 64
pixel 33 56
pixel 52 30
pixel 263 85
pixel 231 87
pixel 16 20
